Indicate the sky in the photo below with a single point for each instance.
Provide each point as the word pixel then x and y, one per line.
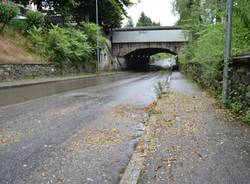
pixel 157 10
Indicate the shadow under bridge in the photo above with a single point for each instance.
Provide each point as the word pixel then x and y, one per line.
pixel 139 60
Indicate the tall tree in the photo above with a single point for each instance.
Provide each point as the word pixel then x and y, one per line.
pixel 111 12
pixel 146 21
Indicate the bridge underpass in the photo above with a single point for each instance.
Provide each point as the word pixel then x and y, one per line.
pixel 132 47
pixel 140 58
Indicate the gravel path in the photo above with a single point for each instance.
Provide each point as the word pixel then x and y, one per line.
pixel 192 140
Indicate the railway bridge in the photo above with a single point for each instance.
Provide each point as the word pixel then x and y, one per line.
pixel 133 46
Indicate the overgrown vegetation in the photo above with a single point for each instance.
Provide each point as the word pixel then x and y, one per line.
pixel 63 45
pixel 34 19
pixel 7 12
pixel 203 56
pixel 67 44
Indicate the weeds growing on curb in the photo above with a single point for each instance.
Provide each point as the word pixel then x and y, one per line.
pixel 161 88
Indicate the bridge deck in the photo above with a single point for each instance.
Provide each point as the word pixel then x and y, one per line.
pixel 149 35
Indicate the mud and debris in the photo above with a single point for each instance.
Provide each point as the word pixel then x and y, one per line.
pixel 101 138
pixel 128 111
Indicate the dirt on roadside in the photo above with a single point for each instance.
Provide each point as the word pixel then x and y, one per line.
pixel 194 141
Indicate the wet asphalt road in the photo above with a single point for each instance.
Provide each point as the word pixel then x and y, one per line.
pixel 81 136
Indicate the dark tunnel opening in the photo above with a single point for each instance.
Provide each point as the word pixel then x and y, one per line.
pixel 139 60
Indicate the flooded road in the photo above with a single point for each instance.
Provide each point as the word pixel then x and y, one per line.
pixel 81 136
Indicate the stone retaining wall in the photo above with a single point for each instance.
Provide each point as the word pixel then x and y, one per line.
pixel 239 84
pixel 240 72
pixel 10 72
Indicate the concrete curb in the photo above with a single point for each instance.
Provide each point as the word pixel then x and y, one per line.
pixel 133 170
pixel 135 166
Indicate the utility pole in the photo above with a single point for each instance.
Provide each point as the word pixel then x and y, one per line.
pixel 227 54
pixel 97 39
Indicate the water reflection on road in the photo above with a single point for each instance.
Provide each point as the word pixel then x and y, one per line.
pixel 81 136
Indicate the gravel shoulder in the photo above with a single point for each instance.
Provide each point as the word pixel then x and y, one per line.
pixel 192 140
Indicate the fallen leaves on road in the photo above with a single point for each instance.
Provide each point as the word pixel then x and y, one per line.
pixel 151 106
pixel 120 111
pixel 8 137
pixel 101 138
pixel 181 115
pixel 126 111
pixel 145 149
pixel 184 136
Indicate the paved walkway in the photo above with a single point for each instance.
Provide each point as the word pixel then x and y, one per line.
pixel 193 141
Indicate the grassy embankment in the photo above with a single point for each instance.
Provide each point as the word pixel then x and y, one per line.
pixel 17 49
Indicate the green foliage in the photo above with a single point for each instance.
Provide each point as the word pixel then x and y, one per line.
pixel 111 12
pixel 212 37
pixel 154 111
pixel 146 21
pixel 241 35
pixel 37 38
pixel 67 45
pixel 236 107
pixel 34 19
pixel 62 45
pixel 202 58
pixel 248 94
pixel 93 32
pixel 247 117
pixel 7 12
pixel 19 25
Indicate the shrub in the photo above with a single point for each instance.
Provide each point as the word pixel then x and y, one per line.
pixel 19 25
pixel 38 40
pixel 34 19
pixel 236 107
pixel 91 30
pixel 62 45
pixel 247 117
pixel 80 49
pixel 7 12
